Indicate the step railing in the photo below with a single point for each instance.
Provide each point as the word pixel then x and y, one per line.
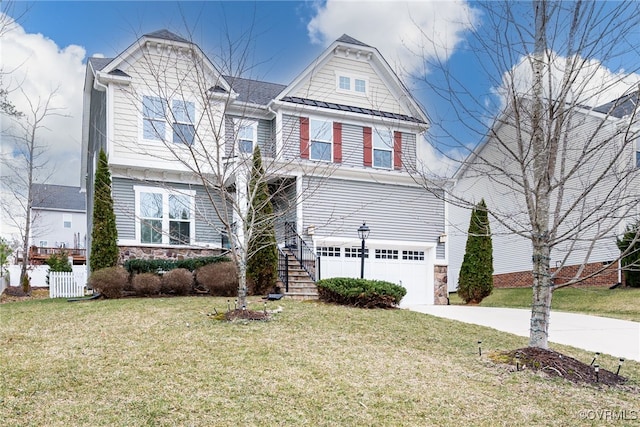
pixel 300 250
pixel 283 269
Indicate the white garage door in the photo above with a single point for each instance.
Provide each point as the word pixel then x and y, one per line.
pixel 408 266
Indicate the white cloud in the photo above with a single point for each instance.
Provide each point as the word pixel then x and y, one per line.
pixel 397 29
pixel 38 66
pixel 593 83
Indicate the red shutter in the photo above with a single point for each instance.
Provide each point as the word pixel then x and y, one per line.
pixel 337 142
pixel 304 137
pixel 397 150
pixel 367 146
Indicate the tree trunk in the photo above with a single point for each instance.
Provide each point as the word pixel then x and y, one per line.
pixel 542 292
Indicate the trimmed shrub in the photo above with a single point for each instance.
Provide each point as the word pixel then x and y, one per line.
pixel 137 266
pixel 360 292
pixel 476 272
pixel 178 282
pixel 146 284
pixel 109 282
pixel 104 234
pixel 220 279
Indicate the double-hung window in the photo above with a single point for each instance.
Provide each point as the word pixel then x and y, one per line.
pixel 321 136
pixel 382 148
pixel 638 152
pixel 155 126
pixel 183 116
pixel 247 137
pixel 164 217
pixel 153 118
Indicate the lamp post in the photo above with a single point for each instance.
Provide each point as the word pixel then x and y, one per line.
pixel 363 233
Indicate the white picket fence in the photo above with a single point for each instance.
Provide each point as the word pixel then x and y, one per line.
pixel 66 285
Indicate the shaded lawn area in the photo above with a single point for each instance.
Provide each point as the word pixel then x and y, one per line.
pixel 163 361
pixel 617 303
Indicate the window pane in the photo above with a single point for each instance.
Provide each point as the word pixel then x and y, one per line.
pixel 361 86
pixel 321 130
pixel 382 158
pixel 179 207
pixel 151 205
pixel 179 233
pixel 638 158
pixel 382 139
pixel 245 146
pixel 151 231
pixel 345 83
pixel 183 133
pixel 183 111
pixel 153 107
pixel 321 151
pixel 153 129
pixel 245 132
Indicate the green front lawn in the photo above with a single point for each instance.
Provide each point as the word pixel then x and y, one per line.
pixel 165 362
pixel 617 303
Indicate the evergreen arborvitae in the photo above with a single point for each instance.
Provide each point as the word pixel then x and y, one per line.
pixel 104 235
pixel 476 273
pixel 631 261
pixel 262 265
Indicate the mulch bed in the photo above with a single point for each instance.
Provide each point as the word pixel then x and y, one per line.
pixel 559 365
pixel 15 293
pixel 240 314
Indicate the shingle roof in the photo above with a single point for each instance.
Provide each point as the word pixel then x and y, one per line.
pixel 167 35
pixel 348 39
pixel 351 109
pixel 99 63
pixel 62 197
pixel 254 91
pixel 620 107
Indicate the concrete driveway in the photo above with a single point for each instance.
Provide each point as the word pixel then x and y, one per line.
pixel 619 338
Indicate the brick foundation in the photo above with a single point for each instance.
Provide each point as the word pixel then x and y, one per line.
pixel 524 279
pixel 440 289
pixel 140 252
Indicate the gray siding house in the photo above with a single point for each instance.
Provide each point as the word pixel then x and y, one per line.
pixel 343 136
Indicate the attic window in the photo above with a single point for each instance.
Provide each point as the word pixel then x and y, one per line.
pixel 347 83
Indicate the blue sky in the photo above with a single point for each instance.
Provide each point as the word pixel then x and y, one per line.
pixel 49 45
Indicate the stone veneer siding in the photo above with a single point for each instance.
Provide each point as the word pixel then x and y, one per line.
pixel 141 252
pixel 440 291
pixel 524 279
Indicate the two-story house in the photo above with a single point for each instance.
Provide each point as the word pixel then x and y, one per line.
pixel 595 195
pixel 338 142
pixel 58 218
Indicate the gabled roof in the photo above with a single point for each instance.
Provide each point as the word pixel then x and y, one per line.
pixel 99 63
pixel 254 91
pixel 378 63
pixel 167 35
pixel 58 197
pixel 623 106
pixel 350 40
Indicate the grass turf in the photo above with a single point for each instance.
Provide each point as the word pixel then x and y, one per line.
pixel 617 303
pixel 163 361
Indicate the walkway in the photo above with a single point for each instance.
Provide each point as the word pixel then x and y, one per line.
pixel 619 338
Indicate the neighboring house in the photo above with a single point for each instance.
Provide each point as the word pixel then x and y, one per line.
pixel 346 129
pixel 595 224
pixel 59 220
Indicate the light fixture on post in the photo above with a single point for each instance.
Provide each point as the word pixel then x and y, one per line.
pixel 363 233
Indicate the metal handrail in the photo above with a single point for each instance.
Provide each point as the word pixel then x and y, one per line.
pixel 283 269
pixel 300 250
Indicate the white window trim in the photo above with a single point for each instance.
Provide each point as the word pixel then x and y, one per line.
pixel 165 214
pixel 352 84
pixel 311 139
pixel 169 119
pixel 636 153
pixel 240 123
pixel 374 148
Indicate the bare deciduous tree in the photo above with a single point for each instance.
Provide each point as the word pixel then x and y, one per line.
pixel 24 163
pixel 557 161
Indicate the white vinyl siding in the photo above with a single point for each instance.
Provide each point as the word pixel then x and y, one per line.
pixel 323 85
